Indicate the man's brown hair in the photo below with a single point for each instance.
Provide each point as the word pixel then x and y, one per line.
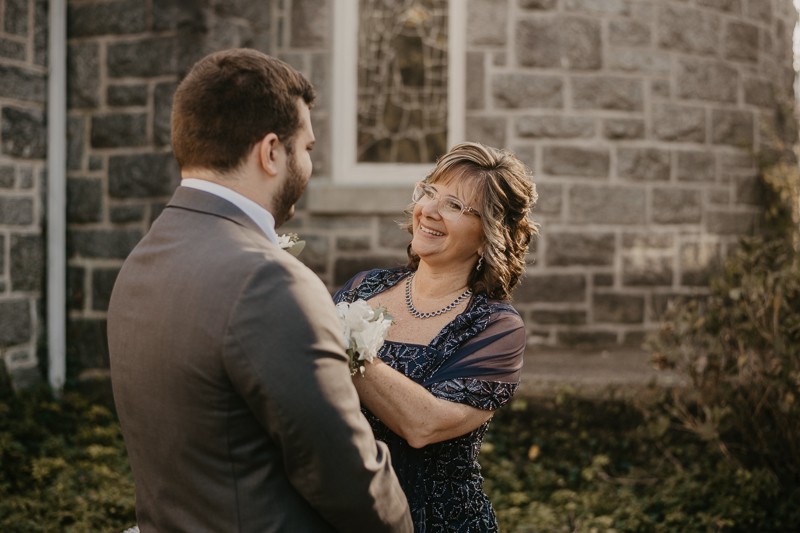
pixel 229 101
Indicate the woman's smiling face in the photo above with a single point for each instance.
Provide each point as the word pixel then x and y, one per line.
pixel 447 243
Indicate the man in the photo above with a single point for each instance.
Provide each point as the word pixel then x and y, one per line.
pixel 229 376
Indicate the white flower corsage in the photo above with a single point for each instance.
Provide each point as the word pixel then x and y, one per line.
pixel 364 331
pixel 291 244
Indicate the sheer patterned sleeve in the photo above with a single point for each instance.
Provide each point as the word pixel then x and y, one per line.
pixel 484 371
pixel 346 292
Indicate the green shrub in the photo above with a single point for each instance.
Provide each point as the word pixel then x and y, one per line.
pixel 587 466
pixel 63 465
pixel 740 344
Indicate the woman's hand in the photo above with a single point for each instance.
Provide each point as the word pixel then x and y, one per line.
pixel 410 410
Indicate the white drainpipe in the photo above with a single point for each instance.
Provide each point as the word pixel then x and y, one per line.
pixel 56 195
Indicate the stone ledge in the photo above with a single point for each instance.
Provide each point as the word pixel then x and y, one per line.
pixel 332 199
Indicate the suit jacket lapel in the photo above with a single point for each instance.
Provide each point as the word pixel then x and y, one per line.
pixel 205 202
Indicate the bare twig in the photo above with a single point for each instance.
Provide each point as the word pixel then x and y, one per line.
pixel 668 455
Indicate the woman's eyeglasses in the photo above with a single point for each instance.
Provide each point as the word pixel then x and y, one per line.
pixel 450 207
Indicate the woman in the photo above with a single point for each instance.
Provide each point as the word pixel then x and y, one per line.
pixel 455 352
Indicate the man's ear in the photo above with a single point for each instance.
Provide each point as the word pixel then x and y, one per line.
pixel 269 150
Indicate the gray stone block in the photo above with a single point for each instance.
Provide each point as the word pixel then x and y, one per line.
pixel 15 17
pixel 660 88
pixel 122 214
pixel 16 211
pixel 342 222
pixel 476 77
pixel 315 254
pixel 719 196
pixel 549 201
pixel 148 57
pixel 741 41
pixel 84 200
pixel 12 49
pixel 87 343
pixel 321 79
pixel 526 155
pixel 629 32
pixel 321 155
pixel 567 318
pixel 638 60
pixel 41 31
pixel 623 128
pixel 102 244
pixel 698 262
pixel 759 92
pixel 551 288
pixel 677 206
pixel 537 4
pixel 310 21
pixel 732 127
pixel 707 81
pixel 603 280
pixel 26 376
pixel 162 113
pixel 76 291
pixel 83 75
pixel 75 139
pixel 749 190
pixel 103 280
pixel 574 161
pixel 563 42
pixel 95 162
pixel 696 166
pixel 556 127
pixel 643 164
pixel 156 209
pixel 572 249
pixel 633 242
pixel 679 123
pixel 499 59
pixel 621 94
pixel 119 130
pixel 618 308
pixel 490 131
pixel 607 205
pixel 357 243
pixel 15 322
pixel 27 262
pixel 347 267
pixel 593 339
pixel 6 180
pixel 730 223
pixel 22 84
pixel 190 16
pixel 731 6
pixel 604 7
pixel 486 22
pixel 126 95
pixel 688 30
pixel 390 235
pixel 526 90
pixel 25 178
pixel 111 18
pixel 142 175
pixel 760 10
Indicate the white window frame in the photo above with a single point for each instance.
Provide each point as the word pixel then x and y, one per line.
pixel 345 168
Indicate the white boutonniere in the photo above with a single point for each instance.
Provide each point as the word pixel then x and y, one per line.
pixel 291 244
pixel 364 331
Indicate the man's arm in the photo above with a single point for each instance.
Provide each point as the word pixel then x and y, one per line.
pixel 285 358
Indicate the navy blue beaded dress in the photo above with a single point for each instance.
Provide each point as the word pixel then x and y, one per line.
pixel 474 360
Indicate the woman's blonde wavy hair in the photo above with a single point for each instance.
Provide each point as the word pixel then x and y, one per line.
pixel 505 193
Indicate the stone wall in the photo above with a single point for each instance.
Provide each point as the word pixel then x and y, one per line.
pixel 23 91
pixel 638 119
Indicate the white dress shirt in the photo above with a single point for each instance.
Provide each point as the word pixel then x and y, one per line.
pixel 258 214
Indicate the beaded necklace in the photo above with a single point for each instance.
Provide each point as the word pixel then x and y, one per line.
pixel 417 314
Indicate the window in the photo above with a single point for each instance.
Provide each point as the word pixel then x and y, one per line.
pixel 398 95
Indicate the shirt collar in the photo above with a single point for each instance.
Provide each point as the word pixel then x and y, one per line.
pixel 258 214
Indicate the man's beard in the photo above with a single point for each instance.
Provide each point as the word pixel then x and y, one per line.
pixel 289 193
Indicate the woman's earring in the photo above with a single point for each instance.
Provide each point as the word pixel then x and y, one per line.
pixel 480 263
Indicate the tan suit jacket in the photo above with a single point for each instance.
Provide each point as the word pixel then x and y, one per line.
pixel 232 386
